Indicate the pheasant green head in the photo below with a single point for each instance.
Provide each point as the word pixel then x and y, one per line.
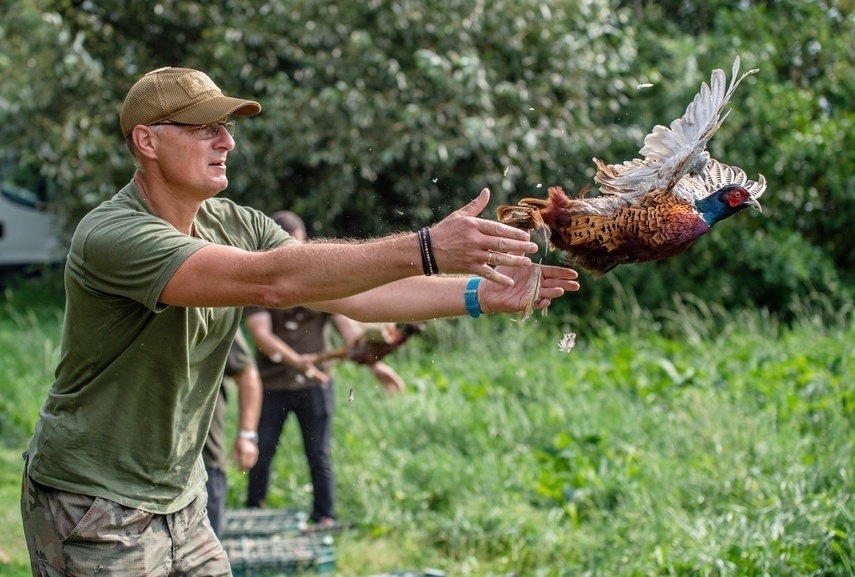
pixel 724 203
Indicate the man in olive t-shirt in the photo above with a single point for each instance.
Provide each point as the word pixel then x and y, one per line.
pixel 155 281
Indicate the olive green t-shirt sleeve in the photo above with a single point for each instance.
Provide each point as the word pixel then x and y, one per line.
pixel 131 255
pixel 138 381
pixel 118 251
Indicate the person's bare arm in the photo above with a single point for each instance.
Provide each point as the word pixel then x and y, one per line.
pixel 346 327
pixel 245 451
pixel 388 378
pixel 226 276
pixel 416 299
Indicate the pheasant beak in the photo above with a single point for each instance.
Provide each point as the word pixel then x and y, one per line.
pixel 753 202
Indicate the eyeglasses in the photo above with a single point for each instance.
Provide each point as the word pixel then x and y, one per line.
pixel 205 131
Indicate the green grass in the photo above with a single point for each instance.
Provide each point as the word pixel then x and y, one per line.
pixel 687 441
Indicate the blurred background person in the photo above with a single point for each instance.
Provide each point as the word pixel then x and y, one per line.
pixel 240 367
pixel 287 341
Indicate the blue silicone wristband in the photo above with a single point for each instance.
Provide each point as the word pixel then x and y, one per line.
pixel 471 297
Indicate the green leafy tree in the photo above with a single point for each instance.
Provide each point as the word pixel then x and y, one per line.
pixel 383 115
pixel 387 114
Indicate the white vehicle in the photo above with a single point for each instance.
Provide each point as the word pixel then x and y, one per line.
pixel 28 234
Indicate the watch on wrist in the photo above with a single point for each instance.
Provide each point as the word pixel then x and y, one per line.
pixel 248 435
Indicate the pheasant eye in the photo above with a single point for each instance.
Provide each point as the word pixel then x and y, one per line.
pixel 737 196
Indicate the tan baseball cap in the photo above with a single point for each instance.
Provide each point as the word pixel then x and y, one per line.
pixel 179 95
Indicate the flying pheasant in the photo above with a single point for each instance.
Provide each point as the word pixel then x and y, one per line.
pixel 651 208
pixel 373 345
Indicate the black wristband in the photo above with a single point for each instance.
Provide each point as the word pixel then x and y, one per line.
pixel 428 260
pixel 431 259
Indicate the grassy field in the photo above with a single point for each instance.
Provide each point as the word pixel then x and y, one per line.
pixel 680 442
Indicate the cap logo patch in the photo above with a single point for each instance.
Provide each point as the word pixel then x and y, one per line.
pixel 196 84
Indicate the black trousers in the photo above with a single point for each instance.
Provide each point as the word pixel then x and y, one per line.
pixel 313 407
pixel 216 487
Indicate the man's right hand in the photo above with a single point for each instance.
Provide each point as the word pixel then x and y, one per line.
pixel 463 243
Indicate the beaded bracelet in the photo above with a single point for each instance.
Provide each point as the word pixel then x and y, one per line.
pixel 431 259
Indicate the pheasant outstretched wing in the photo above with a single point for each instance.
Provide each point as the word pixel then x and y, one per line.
pixel 671 153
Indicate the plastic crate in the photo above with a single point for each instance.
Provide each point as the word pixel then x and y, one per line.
pixel 276 555
pixel 260 522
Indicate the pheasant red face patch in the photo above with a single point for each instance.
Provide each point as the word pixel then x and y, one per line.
pixel 737 196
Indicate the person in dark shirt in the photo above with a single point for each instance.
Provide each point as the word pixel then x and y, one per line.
pixel 287 340
pixel 241 368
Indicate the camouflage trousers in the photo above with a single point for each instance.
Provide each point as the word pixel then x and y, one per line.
pixel 69 534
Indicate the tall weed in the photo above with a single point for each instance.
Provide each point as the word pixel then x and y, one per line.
pixel 686 441
pixel 29 352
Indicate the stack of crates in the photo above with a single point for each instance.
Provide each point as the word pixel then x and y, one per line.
pixel 273 543
pixel 263 522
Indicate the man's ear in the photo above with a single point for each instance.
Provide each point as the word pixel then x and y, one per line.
pixel 145 141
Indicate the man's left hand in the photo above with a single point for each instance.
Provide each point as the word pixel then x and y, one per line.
pixel 554 282
pixel 244 454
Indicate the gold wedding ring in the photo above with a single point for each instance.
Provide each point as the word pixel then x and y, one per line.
pixel 489 257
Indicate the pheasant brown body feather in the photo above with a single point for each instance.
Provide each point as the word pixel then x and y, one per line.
pixel 652 208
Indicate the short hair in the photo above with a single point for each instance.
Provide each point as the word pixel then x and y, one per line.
pixel 132 148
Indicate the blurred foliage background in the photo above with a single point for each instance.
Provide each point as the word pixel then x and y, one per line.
pixel 386 115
